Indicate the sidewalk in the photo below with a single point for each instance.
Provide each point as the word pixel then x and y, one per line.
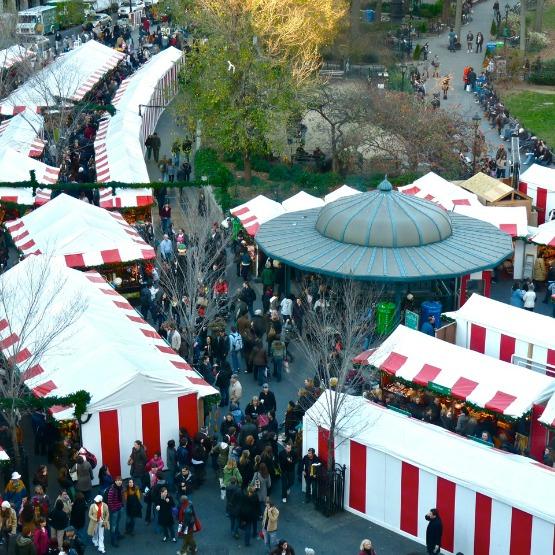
pixel 453 64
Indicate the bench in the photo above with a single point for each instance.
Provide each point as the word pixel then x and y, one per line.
pixel 332 73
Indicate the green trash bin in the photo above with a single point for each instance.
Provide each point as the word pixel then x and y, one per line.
pixel 385 317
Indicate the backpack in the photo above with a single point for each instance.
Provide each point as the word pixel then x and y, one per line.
pixel 236 341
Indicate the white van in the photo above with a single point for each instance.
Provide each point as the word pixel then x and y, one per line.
pixel 40 20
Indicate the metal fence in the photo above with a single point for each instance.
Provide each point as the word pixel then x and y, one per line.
pixel 331 491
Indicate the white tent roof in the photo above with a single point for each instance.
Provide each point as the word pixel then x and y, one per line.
pixel 436 189
pixel 510 219
pixel 22 133
pixel 15 167
pixel 19 195
pixel 509 320
pixel 548 415
pixel 70 77
pixel 505 477
pixel 341 192
pixel 257 211
pixel 301 201
pixel 119 144
pixel 82 234
pixel 479 379
pixel 545 234
pixel 539 176
pixel 13 55
pixel 109 351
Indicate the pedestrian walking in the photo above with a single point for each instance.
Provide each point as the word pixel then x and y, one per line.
pixel 445 86
pixel 469 42
pixel 137 462
pixel 270 524
pixel 58 521
pixel 287 462
pixel 233 499
pixel 165 515
pixel 249 511
pixel 8 523
pixel 235 390
pixel 83 471
pixel 165 213
pixel 452 40
pixel 434 531
pixel 115 506
pixel 235 349
pixel 529 298
pixel 188 525
pixel 311 466
pixel 133 507
pixel 15 491
pixel 99 520
pixel 282 548
pixel 479 42
pixel 366 548
pixel 155 144
pixel 24 542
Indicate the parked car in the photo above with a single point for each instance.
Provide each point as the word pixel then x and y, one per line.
pixel 95 20
pixel 149 3
pixel 127 7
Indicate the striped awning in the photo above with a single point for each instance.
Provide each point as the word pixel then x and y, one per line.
pixel 491 384
pixel 23 133
pixel 257 211
pixel 545 234
pixel 83 235
pixel 548 415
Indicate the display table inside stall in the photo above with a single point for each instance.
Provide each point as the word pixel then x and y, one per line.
pixel 433 380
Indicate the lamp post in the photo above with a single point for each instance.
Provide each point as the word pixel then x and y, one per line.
pixel 403 71
pixel 410 29
pixel 476 124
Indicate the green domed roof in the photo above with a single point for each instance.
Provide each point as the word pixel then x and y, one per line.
pixel 384 218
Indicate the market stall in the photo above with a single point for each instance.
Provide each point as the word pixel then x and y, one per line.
pixel 342 192
pixel 139 386
pixel 16 167
pixel 84 236
pixel 23 133
pixel 69 77
pixel 257 211
pixel 506 333
pixel 499 396
pixel 15 54
pixel 512 220
pixel 493 192
pixel 436 189
pixel 538 182
pixel 543 242
pixel 301 201
pixel 139 101
pixel 397 468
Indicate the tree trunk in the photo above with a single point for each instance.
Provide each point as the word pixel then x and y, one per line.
pixel 378 11
pixel 523 27
pixel 247 171
pixel 355 20
pixel 334 156
pixel 539 16
pixel 17 453
pixel 458 20
pixel 331 452
pixel 446 11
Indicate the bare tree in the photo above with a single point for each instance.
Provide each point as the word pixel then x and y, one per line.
pixel 36 316
pixel 189 278
pixel 336 329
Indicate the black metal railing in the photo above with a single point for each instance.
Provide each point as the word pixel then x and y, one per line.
pixel 330 493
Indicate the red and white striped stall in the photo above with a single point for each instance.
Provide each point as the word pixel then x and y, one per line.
pixel 16 167
pixel 140 101
pixel 82 234
pixel 257 211
pixel 71 76
pixel 23 133
pixel 545 234
pixel 490 502
pixel 506 333
pixel 436 189
pixel 538 182
pixel 140 387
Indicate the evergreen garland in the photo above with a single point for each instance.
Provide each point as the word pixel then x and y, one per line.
pixel 80 399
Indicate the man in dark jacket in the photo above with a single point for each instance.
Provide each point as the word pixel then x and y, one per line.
pixel 222 383
pixel 267 400
pixel 137 461
pixel 71 537
pixel 434 532
pixel 184 482
pixel 247 429
pixel 248 296
pixel 145 298
pixel 221 347
pixel 233 505
pixel 287 461
pixel 311 470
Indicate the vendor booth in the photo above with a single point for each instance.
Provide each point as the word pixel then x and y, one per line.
pixel 16 167
pixel 301 201
pixel 23 133
pixel 139 386
pixel 499 396
pixel 434 188
pixel 543 241
pixel 538 182
pixel 69 77
pixel 257 211
pixel 548 419
pixel 506 333
pixel 139 101
pixel 13 55
pixel 513 220
pixel 84 236
pixel 397 469
pixel 342 192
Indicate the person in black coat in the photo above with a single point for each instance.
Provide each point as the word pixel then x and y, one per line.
pixel 222 383
pixel 220 346
pixel 267 400
pixel 79 511
pixel 233 497
pixel 249 510
pixel 165 515
pixel 434 532
pixel 58 521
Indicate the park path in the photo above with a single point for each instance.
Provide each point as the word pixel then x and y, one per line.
pixel 453 63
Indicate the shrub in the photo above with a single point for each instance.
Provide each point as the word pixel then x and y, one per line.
pixel 207 163
pixel 417 52
pixel 493 28
pixel 537 41
pixel 430 10
pixel 279 172
pixel 544 75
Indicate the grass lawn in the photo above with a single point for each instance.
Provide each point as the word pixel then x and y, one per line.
pixel 535 111
pixel 549 17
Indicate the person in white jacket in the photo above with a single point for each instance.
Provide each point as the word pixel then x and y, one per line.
pixel 529 298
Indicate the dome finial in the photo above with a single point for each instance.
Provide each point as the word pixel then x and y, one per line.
pixel 385 185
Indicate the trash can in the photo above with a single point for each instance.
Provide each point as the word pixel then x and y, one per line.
pixel 385 317
pixel 430 308
pixel 490 47
pixel 368 16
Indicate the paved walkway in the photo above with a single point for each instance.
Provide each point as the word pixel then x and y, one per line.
pixel 453 63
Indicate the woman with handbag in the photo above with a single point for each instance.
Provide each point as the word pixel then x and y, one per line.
pixel 188 525
pixel 261 482
pixel 133 507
